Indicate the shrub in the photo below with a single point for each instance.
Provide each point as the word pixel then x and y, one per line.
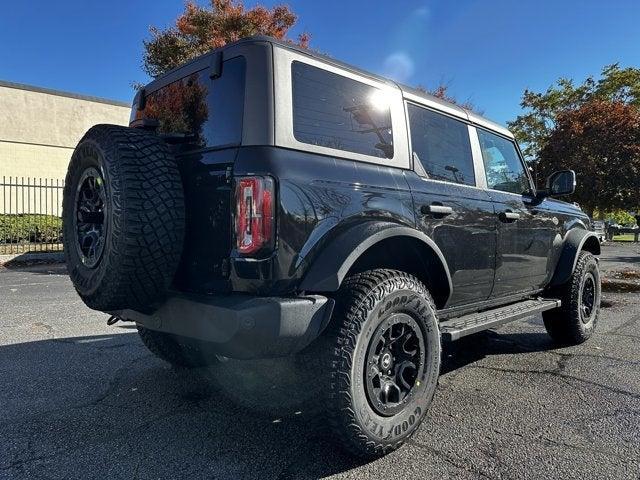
pixel 18 228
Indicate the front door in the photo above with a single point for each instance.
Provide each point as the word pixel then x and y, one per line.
pixel 449 207
pixel 525 233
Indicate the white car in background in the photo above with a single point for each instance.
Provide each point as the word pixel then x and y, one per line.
pixel 600 230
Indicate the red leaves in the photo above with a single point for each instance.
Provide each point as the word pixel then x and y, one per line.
pixel 179 107
pixel 600 139
pixel 200 29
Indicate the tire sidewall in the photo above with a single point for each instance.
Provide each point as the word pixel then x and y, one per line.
pixel 590 266
pixel 86 280
pixel 396 428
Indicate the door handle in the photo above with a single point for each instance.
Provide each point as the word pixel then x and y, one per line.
pixel 508 216
pixel 435 209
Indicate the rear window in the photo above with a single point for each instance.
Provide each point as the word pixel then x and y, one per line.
pixel 208 112
pixel 334 111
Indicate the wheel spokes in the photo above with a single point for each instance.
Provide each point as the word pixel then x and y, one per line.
pixel 406 373
pixel 394 362
pixel 90 217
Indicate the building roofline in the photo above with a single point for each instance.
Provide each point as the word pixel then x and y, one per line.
pixel 59 93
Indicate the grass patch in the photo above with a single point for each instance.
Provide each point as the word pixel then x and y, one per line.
pixel 627 237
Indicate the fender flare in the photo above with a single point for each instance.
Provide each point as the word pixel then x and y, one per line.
pixel 573 244
pixel 331 265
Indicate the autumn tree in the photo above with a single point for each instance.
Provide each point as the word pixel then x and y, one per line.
pixel 600 140
pixel 200 29
pixel 534 127
pixel 590 127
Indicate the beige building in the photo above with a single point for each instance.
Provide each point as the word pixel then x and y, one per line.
pixel 39 128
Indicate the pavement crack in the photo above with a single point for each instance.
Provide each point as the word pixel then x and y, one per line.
pixel 451 460
pixel 626 335
pixel 528 349
pixel 558 373
pixel 629 323
pixel 600 357
pixel 113 383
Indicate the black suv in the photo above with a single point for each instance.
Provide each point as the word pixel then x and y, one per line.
pixel 266 199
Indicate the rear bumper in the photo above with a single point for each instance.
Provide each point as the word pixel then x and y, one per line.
pixel 241 326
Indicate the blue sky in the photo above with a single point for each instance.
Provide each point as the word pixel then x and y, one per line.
pixel 488 51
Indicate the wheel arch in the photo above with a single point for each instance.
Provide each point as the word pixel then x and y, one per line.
pixel 575 241
pixel 380 245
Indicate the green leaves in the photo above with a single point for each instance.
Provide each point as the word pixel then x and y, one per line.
pixel 20 228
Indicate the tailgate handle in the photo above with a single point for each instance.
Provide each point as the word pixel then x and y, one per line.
pixel 437 209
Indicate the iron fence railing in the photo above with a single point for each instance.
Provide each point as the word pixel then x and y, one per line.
pixel 30 214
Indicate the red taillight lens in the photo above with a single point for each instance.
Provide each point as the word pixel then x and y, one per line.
pixel 254 214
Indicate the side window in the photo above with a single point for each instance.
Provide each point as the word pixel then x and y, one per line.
pixel 334 111
pixel 442 145
pixel 208 112
pixel 502 164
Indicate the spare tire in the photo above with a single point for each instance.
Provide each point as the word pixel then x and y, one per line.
pixel 123 218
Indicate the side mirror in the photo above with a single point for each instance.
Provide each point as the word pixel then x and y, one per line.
pixel 561 183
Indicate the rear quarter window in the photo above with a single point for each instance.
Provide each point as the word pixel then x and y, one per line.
pixel 208 112
pixel 335 111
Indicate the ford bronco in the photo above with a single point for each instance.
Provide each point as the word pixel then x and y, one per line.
pixel 266 199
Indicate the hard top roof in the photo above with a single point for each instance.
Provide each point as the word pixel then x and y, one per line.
pixel 410 93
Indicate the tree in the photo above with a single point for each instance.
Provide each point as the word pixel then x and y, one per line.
pixel 200 29
pixel 621 217
pixel 600 140
pixel 533 128
pixel 590 127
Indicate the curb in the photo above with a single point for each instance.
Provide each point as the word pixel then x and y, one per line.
pixel 619 286
pixel 31 258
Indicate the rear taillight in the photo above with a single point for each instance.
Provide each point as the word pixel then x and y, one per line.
pixel 254 224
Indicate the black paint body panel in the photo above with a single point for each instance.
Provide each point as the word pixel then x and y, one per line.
pixel 319 198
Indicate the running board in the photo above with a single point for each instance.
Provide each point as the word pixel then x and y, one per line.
pixel 456 328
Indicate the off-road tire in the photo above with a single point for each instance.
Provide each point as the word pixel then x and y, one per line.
pixel 144 220
pixel 178 351
pixel 364 303
pixel 568 324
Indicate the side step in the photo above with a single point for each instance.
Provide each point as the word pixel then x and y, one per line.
pixel 456 328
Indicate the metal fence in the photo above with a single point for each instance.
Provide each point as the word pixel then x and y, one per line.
pixel 30 215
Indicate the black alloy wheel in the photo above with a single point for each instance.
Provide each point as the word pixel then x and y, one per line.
pixel 395 361
pixel 588 298
pixel 90 217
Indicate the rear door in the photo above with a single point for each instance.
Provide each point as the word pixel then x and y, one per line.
pixel 525 232
pixel 450 207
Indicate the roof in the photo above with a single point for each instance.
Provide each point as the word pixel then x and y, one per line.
pixel 59 93
pixel 408 91
pixel 418 95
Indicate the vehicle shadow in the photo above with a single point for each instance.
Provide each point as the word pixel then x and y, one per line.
pixel 102 406
pixel 475 347
pixel 35 267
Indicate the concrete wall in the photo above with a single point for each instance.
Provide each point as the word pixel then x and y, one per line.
pixel 39 128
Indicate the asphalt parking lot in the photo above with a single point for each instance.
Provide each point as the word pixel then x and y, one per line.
pixel 82 400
